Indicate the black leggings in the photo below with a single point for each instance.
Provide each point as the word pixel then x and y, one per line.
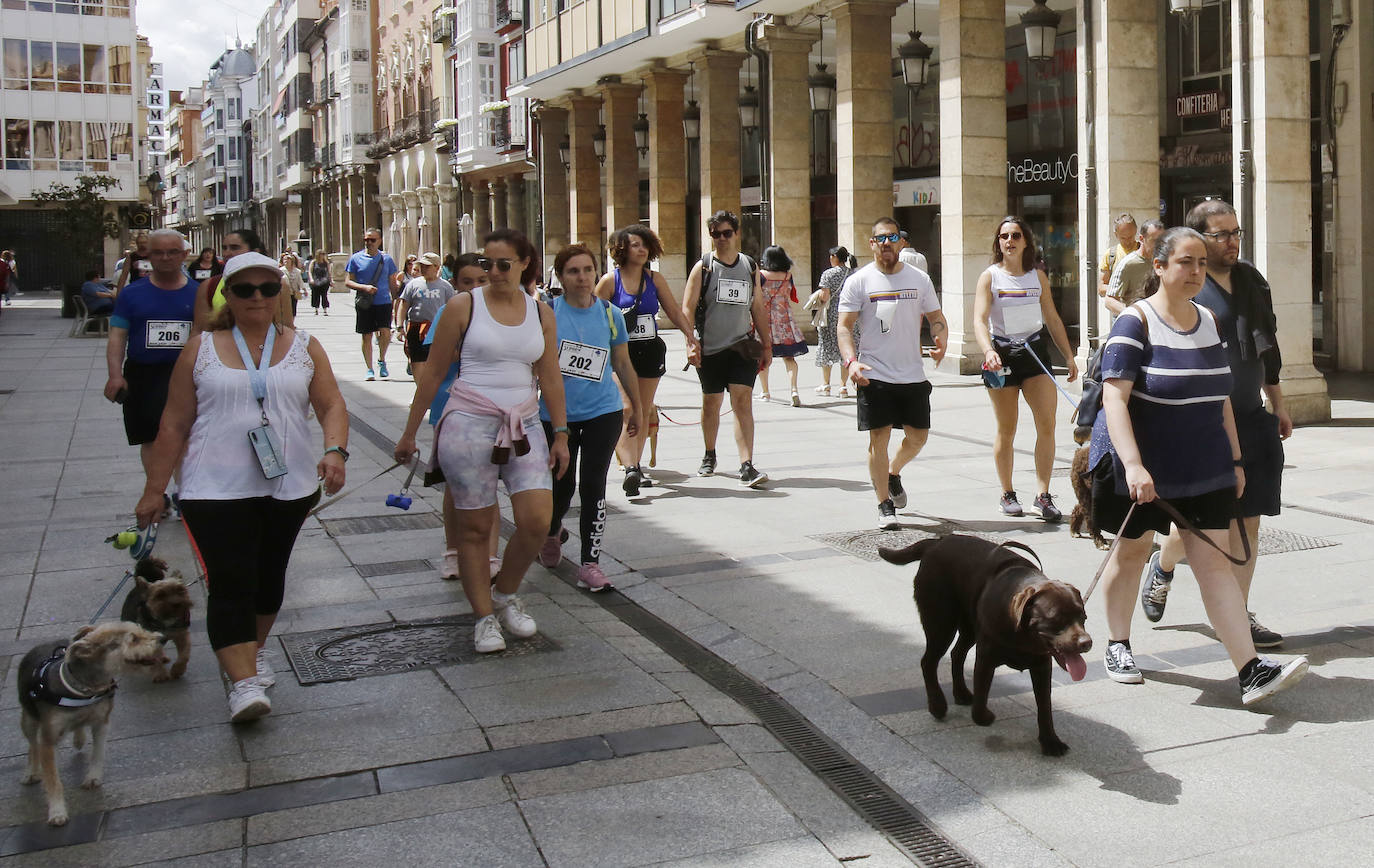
pixel 319 296
pixel 246 545
pixel 595 438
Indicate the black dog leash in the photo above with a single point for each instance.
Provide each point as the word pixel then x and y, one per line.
pixel 1184 525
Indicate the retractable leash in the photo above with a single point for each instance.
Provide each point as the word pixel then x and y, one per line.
pixel 139 542
pixel 1184 525
pixel 354 490
pixel 726 412
pixel 403 499
pixel 1067 396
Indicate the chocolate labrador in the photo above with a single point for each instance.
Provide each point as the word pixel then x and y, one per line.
pixel 995 598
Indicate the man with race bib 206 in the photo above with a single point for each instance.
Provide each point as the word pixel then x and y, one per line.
pixel 150 324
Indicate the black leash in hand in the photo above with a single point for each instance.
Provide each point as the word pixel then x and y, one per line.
pixel 1184 525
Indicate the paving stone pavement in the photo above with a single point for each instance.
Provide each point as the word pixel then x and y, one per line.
pixel 607 749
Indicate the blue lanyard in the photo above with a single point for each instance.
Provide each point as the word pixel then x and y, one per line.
pixel 257 376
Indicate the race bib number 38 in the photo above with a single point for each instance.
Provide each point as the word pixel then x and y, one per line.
pixel 167 334
pixel 580 360
pixel 730 291
pixel 643 328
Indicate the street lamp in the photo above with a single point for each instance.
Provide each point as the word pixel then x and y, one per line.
pixel 564 153
pixel 691 115
pixel 1042 27
pixel 821 84
pixel 915 56
pixel 641 128
pixel 749 108
pixel 599 143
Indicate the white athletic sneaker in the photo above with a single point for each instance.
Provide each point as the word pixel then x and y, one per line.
pixel 486 636
pixel 513 617
pixel 266 675
pixel 248 701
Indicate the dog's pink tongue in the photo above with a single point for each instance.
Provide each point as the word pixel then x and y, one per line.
pixel 1074 665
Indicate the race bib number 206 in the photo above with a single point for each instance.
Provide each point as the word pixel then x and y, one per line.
pixel 167 334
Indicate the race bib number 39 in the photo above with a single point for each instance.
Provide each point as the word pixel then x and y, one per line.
pixel 580 360
pixel 167 334
pixel 730 291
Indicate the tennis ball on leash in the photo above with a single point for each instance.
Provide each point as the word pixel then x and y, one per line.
pixel 125 538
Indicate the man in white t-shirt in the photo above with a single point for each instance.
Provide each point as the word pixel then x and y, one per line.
pixel 887 300
pixel 910 255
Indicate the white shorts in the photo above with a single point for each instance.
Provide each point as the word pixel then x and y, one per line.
pixel 463 449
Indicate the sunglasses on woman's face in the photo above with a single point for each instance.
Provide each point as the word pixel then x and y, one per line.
pixel 268 289
pixel 486 264
pixel 1009 236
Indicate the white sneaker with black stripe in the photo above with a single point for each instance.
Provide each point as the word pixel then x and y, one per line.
pixel 1269 677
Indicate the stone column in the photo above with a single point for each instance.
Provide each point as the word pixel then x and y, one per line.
pixel 388 218
pixel 790 135
pixel 718 80
pixel 500 219
pixel 1281 172
pixel 553 178
pixel 399 228
pixel 448 218
pixel 863 117
pixel 481 209
pixel 1125 158
pixel 1349 314
pixel 668 174
pixel 429 212
pixel 973 158
pixel 621 103
pixel 515 203
pixel 413 215
pixel 584 188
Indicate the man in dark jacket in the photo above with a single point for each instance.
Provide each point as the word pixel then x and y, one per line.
pixel 1240 297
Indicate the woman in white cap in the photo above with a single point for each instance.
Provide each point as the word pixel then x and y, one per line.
pixel 245 496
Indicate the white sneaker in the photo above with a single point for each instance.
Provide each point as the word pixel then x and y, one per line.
pixel 448 570
pixel 513 617
pixel 486 636
pixel 248 701
pixel 266 676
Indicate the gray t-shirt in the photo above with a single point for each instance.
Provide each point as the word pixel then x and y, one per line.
pixel 890 308
pixel 729 294
pixel 426 299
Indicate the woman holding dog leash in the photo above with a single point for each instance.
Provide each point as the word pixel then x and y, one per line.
pixel 1014 319
pixel 507 342
pixel 245 497
pixel 1167 431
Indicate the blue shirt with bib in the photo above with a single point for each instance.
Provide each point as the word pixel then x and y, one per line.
pixel 581 333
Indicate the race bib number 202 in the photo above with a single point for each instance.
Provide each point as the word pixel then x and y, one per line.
pixel 167 334
pixel 581 360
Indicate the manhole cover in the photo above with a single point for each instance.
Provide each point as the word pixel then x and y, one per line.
pixel 865 543
pixel 393 568
pixel 381 649
pixel 381 523
pixel 1273 541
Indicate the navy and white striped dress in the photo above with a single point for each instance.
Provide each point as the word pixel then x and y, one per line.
pixel 1181 382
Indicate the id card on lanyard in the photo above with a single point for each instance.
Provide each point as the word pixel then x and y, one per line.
pixel 264 440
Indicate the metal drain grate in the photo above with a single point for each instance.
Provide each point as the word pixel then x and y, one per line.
pixel 862 790
pixel 393 568
pixel 381 523
pixel 1273 541
pixel 865 543
pixel 400 646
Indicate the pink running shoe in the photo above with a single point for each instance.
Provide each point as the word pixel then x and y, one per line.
pixel 589 576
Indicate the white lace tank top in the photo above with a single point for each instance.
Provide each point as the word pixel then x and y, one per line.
pixel 220 463
pixel 498 360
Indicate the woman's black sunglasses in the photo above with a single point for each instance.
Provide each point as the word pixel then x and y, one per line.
pixel 270 289
pixel 485 264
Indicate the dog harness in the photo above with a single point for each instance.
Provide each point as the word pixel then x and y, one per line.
pixel 145 616
pixel 50 685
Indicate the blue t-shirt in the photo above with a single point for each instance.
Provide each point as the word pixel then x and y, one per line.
pixel 96 303
pixel 1180 383
pixel 158 320
pixel 587 396
pixel 366 269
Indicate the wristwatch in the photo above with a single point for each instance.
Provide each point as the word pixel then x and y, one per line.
pixel 339 449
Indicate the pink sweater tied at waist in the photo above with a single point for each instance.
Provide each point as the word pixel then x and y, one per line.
pixel 511 434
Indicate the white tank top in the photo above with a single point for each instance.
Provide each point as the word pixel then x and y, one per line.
pixel 498 360
pixel 1015 310
pixel 220 463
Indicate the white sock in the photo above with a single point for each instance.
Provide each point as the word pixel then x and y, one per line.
pixel 500 600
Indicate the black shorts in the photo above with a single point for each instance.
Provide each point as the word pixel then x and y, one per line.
pixel 1018 358
pixel 894 405
pixel 649 358
pixel 1211 511
pixel 373 319
pixel 726 368
pixel 147 396
pixel 416 348
pixel 1262 451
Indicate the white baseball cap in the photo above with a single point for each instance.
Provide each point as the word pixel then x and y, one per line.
pixel 248 260
pixel 430 259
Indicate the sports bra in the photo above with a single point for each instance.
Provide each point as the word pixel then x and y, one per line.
pixel 646 302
